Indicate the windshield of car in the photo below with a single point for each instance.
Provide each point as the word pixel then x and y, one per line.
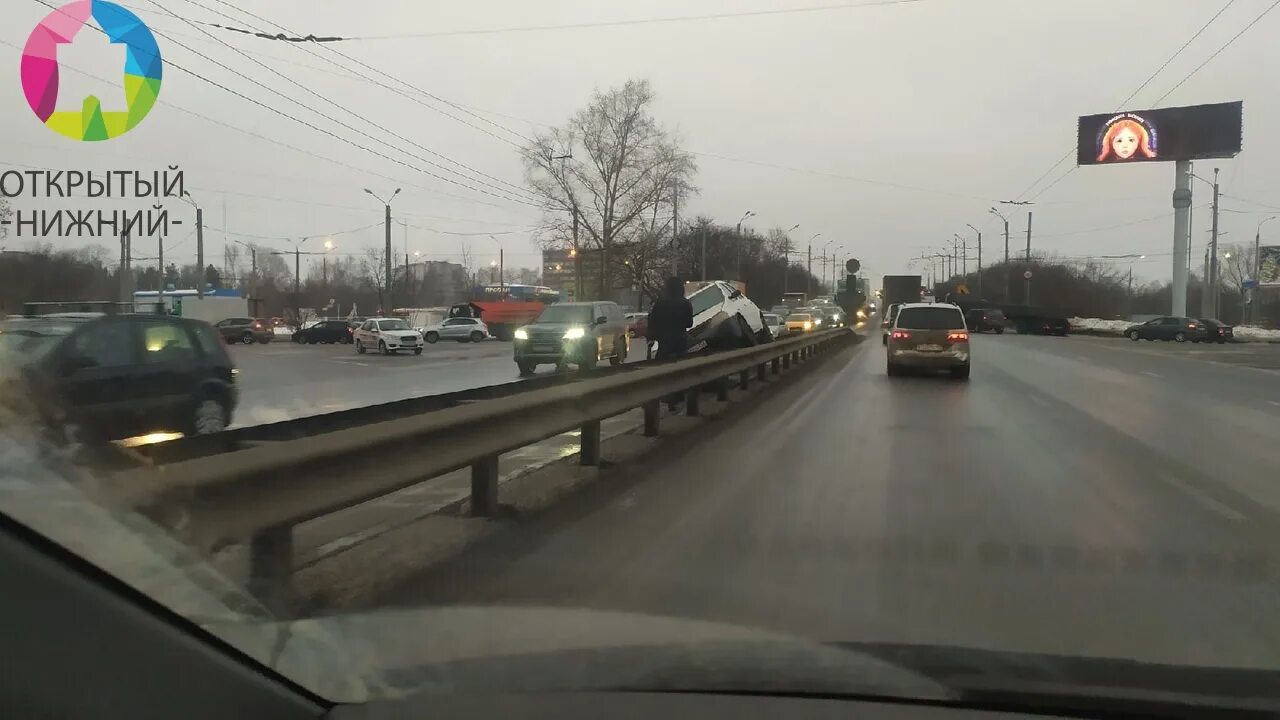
pixel 930 318
pixel 566 314
pixel 705 299
pixel 375 500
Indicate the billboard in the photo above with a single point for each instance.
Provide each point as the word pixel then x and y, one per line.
pixel 1179 133
pixel 1269 266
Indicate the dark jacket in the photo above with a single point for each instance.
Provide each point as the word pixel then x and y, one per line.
pixel 669 322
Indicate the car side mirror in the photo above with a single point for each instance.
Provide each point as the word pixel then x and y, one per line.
pixel 601 320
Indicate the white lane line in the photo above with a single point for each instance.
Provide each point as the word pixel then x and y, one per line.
pixel 1204 500
pixel 1039 401
pixel 1274 402
pixel 1148 373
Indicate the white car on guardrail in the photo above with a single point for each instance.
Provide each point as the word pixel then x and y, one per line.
pixel 388 336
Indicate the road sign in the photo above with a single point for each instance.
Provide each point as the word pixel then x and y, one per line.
pixel 853 265
pixel 1027 275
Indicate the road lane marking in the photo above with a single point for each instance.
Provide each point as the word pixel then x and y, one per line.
pixel 1150 374
pixel 1203 499
pixel 1274 402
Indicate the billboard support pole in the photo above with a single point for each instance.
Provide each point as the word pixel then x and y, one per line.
pixel 1181 223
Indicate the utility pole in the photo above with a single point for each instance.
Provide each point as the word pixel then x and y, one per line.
pixel 1181 236
pixel 702 264
pixel 386 281
pixel 1213 254
pixel 808 279
pixel 979 264
pixel 675 228
pixel 125 292
pixel 1256 299
pixel 738 243
pixel 577 259
pixel 1006 259
pixel 199 253
pixel 1028 280
pixel 160 293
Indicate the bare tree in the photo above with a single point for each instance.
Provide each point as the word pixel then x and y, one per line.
pixel 607 168
pixel 373 272
pixel 468 260
pixel 1236 262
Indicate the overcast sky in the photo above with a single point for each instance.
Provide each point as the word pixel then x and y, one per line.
pixel 946 105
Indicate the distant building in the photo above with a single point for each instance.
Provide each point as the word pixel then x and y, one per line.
pixel 432 283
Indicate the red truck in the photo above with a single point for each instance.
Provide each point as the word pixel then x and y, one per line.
pixel 502 317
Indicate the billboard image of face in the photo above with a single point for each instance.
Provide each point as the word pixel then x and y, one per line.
pixel 1126 137
pixel 1178 133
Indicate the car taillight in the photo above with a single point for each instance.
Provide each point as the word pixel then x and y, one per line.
pixel 1191 326
pixel 900 335
pixel 958 337
pixel 258 326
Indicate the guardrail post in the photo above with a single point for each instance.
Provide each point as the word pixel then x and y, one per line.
pixel 762 373
pixel 651 416
pixel 786 362
pixel 590 453
pixel 722 389
pixel 774 365
pixel 484 487
pixel 271 567
pixel 691 401
pixel 744 379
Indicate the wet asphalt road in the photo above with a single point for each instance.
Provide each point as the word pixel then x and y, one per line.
pixel 1074 497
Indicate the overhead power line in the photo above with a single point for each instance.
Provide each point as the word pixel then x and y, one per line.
pixel 1217 52
pixel 339 121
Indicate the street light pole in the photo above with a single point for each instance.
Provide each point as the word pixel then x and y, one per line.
pixel 387 254
pixel 738 237
pixel 979 232
pixel 199 246
pixel 786 257
pixel 808 280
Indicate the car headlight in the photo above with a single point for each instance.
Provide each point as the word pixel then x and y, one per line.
pixel 575 333
pixel 522 334
pixel 808 326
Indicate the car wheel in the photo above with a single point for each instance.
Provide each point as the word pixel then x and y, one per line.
pixel 999 331
pixel 208 417
pixel 1133 335
pixel 432 337
pixel 382 348
pixel 312 341
pixel 526 368
pixel 359 348
pixel 344 340
pixel 417 351
pixel 1180 337
pixel 299 339
pixel 884 340
pixel 477 336
pixel 893 370
pixel 960 373
pixel 247 338
pixel 619 352
pixel 589 362
pixel 1222 342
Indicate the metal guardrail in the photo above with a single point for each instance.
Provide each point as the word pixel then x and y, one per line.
pixel 259 494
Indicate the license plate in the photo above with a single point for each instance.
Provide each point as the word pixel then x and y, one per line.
pixel 544 348
pixel 929 348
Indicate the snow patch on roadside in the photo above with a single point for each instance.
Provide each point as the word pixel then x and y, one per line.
pixel 1256 334
pixel 1098 326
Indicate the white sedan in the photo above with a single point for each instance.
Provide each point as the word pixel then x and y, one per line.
pixel 460 329
pixel 388 336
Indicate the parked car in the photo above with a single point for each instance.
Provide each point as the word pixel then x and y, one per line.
pixel 460 329
pixel 637 324
pixel 579 333
pixel 1177 329
pixel 246 330
pixel 120 376
pixel 929 336
pixel 1217 331
pixel 776 324
pixel 388 336
pixel 326 332
pixel 984 319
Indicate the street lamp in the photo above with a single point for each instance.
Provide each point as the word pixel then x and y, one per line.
pixel 501 270
pixel 387 254
pixel 979 233
pixel 786 256
pixel 493 266
pixel 738 237
pixel 808 271
pixel 1000 215
pixel 324 260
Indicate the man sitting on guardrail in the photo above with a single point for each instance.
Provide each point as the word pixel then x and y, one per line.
pixel 669 321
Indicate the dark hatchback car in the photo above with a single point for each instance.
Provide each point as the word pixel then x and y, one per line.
pixel 120 376
pixel 578 333
pixel 1217 331
pixel 1177 329
pixel 984 319
pixel 326 332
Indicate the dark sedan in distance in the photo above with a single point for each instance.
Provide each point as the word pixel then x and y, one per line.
pixel 1177 329
pixel 325 331
pixel 1217 331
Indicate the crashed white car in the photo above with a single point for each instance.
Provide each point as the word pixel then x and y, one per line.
pixel 723 319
